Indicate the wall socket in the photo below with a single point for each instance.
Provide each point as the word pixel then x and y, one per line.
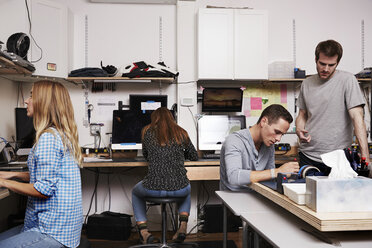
pixel 187 102
pixel 95 129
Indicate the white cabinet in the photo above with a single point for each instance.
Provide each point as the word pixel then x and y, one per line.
pixel 49 28
pixel 232 44
pixel 215 41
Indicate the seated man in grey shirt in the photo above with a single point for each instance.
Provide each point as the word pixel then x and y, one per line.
pixel 247 156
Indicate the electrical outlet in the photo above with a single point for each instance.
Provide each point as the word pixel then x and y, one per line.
pixel 187 102
pixel 95 129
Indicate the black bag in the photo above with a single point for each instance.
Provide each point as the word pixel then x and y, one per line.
pixel 109 225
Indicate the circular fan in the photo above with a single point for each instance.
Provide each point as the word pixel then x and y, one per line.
pixel 18 43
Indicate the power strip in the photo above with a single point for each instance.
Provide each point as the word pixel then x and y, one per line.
pixel 282 147
pixel 94 150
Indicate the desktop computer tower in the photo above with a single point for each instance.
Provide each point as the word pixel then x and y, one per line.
pixel 213 219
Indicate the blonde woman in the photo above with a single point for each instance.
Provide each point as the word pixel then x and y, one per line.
pixel 54 214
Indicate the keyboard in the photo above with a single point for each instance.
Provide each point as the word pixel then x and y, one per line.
pixel 211 156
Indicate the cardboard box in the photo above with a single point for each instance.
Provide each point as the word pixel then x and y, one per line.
pixel 325 194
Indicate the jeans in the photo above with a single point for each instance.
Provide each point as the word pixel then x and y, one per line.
pixel 304 160
pixel 139 204
pixel 15 238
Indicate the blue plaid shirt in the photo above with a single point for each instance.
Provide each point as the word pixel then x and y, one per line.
pixel 54 173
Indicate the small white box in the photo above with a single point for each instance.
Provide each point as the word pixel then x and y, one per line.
pixel 295 191
pixel 339 195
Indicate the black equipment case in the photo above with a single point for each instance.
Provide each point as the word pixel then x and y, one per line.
pixel 109 225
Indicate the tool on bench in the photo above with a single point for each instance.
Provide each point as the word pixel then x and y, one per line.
pixel 277 183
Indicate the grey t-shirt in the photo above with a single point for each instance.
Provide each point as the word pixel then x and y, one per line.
pixel 327 104
pixel 239 157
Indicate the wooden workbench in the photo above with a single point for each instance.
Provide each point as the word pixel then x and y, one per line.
pixel 203 169
pixel 196 170
pixel 322 221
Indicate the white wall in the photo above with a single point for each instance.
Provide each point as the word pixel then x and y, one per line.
pixel 8 101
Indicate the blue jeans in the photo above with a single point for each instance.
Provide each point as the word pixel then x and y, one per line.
pixel 15 238
pixel 139 204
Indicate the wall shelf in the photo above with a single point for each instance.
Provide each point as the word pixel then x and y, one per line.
pixel 122 80
pixel 9 67
pixel 11 71
pixel 34 78
pixel 271 80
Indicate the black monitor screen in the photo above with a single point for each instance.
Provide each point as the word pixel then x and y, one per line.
pixel 25 132
pixel 222 100
pixel 127 126
pixel 147 103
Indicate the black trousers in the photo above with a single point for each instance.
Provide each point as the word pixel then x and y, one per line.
pixel 307 161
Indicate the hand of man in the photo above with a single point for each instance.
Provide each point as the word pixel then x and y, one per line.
pixel 303 135
pixel 290 167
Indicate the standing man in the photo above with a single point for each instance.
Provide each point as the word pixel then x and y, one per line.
pixel 247 156
pixel 330 104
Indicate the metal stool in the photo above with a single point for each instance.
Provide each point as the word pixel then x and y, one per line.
pixel 163 244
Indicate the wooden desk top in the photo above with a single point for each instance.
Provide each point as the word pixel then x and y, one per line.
pixel 4 193
pixel 325 222
pixel 201 170
pixel 134 163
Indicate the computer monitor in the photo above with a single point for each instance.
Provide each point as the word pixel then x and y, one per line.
pixel 25 132
pixel 213 129
pixel 146 104
pixel 127 126
pixel 222 100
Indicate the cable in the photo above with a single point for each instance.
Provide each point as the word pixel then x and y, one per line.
pixel 205 189
pixel 193 118
pixel 109 190
pixel 173 219
pixel 193 228
pixel 18 94
pixel 23 98
pixel 99 142
pixel 365 94
pixel 94 192
pixel 30 26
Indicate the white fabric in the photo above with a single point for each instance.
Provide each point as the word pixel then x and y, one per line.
pixel 340 165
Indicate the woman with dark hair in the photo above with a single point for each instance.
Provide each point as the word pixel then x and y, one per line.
pixel 54 214
pixel 165 145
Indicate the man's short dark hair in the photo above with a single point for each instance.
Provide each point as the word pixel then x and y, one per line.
pixel 274 112
pixel 329 48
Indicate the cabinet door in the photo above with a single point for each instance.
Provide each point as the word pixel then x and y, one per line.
pixel 49 28
pixel 215 44
pixel 250 44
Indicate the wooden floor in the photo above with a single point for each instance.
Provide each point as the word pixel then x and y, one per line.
pixel 133 239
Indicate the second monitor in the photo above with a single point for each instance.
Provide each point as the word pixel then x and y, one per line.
pixel 213 129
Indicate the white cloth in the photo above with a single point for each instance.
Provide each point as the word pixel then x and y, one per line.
pixel 340 165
